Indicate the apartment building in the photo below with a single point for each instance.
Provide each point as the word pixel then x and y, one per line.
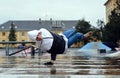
pixel 110 6
pixel 22 27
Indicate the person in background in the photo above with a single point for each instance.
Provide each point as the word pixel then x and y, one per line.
pixel 118 46
pixel 55 43
pixel 22 46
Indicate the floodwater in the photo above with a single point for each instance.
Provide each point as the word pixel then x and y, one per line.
pixel 73 64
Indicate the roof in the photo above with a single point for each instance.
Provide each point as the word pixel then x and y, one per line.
pixel 35 24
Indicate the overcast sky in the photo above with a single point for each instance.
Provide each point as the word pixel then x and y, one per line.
pixel 90 10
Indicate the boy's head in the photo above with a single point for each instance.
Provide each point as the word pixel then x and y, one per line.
pixel 34 35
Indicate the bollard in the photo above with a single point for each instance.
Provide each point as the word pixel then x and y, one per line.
pixel 32 51
pixel 39 54
pixel 7 49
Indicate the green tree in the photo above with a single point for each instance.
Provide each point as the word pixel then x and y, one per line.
pixel 83 26
pixel 12 35
pixel 112 29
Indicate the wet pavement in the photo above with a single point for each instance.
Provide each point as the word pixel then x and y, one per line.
pixel 74 64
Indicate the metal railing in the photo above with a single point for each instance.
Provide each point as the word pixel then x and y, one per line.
pixel 7 47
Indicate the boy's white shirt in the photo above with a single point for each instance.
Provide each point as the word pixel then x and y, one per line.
pixel 45 44
pixel 66 42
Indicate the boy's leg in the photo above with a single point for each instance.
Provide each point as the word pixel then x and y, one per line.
pixel 74 38
pixel 69 33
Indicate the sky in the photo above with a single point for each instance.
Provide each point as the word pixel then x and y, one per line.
pixel 90 10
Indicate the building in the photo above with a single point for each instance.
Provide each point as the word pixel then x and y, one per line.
pixel 110 6
pixel 22 27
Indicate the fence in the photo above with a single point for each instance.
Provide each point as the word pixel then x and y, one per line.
pixel 7 47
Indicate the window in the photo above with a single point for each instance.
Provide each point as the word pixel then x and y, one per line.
pixel 16 27
pixel 23 40
pixel 57 24
pixel 9 27
pixel 23 33
pixel 3 33
pixel 54 23
pixel 3 40
pixel 2 27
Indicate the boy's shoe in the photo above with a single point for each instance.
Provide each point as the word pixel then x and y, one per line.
pixel 48 63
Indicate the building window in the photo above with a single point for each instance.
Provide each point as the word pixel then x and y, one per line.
pixel 57 24
pixel 3 40
pixel 3 33
pixel 16 27
pixel 2 27
pixel 23 33
pixel 9 27
pixel 54 23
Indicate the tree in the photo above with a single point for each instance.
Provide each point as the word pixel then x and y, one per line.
pixel 83 26
pixel 12 35
pixel 111 32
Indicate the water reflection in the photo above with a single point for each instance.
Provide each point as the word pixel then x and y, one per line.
pixel 53 70
pixel 96 66
pixel 65 67
pixel 8 62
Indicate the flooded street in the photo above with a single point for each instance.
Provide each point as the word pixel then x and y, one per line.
pixel 74 64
